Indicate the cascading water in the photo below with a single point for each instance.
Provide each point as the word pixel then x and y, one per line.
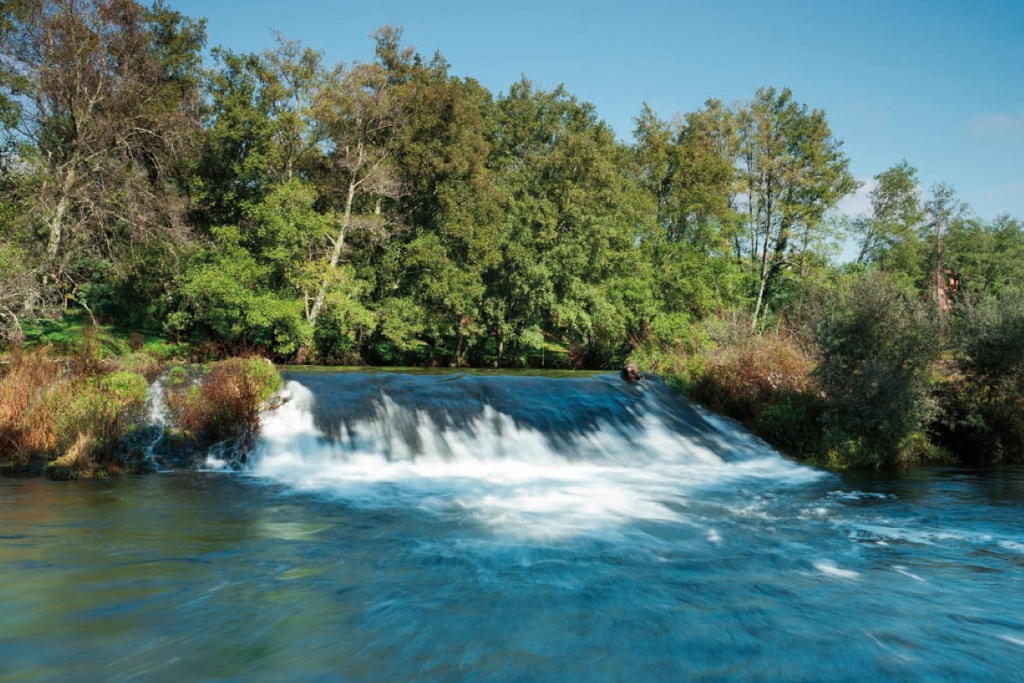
pixel 445 527
pixel 532 457
pixel 157 415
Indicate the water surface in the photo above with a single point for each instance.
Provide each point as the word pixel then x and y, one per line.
pixel 579 531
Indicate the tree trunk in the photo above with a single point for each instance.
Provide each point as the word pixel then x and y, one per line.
pixel 339 244
pixel 763 270
pixel 56 227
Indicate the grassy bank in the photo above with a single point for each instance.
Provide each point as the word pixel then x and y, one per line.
pixel 76 408
pixel 883 383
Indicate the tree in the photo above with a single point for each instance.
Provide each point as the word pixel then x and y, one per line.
pixel 452 203
pixel 263 128
pixel 573 219
pixel 792 172
pixel 109 106
pixel 359 115
pixel 877 348
pixel 896 215
pixel 689 167
pixel 941 210
pixel 984 420
pixel 987 257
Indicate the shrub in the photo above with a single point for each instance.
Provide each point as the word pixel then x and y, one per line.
pixel 983 397
pixel 878 347
pixel 70 414
pixel 224 405
pixel 742 378
pixel 792 420
pixel 124 387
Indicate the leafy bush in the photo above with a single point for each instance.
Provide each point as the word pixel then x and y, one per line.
pixel 224 405
pixel 338 331
pixel 792 420
pixel 878 347
pixel 226 300
pixel 983 399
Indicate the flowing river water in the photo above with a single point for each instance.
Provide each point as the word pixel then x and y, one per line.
pixel 449 527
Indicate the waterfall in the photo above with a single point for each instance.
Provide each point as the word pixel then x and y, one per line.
pixel 528 455
pixel 157 414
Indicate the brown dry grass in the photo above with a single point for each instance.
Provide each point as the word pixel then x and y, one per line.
pixel 26 430
pixel 225 404
pixel 743 377
pixel 72 413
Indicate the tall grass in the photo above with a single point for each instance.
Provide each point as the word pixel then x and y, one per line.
pixel 223 404
pixel 68 416
pixel 742 378
pixel 761 379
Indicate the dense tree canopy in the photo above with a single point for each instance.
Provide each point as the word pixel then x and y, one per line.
pixel 389 211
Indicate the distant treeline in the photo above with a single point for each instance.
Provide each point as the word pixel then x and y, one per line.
pixel 390 212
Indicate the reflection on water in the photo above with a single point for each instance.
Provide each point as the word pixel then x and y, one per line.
pixel 654 543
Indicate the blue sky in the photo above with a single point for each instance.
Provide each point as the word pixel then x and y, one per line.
pixel 938 82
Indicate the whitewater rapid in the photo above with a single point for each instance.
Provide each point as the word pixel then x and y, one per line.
pixel 534 459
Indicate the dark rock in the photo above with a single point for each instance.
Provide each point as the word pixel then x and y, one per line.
pixel 631 373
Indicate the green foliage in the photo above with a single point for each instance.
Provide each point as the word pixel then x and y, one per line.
pixel 983 403
pixel 987 257
pixel 889 237
pixel 124 386
pixel 794 172
pixel 792 421
pixel 225 297
pixel 140 363
pixel 344 323
pixel 877 349
pixel 224 404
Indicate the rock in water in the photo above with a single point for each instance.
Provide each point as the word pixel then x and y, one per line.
pixel 631 373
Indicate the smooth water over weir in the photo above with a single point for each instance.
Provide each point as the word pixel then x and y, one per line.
pixel 447 527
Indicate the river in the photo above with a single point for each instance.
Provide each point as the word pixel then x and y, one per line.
pixel 448 527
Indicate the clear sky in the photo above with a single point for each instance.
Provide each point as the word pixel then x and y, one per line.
pixel 938 82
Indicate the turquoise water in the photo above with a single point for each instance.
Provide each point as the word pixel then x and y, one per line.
pixel 396 529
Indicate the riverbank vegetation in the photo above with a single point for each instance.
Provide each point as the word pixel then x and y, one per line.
pixel 391 212
pixel 79 412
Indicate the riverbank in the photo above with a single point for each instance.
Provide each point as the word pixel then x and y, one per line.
pixel 79 401
pixel 86 414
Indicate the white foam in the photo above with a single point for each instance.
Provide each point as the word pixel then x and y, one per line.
pixel 1012 639
pixel 506 476
pixel 829 568
pixel 903 570
pixel 1012 545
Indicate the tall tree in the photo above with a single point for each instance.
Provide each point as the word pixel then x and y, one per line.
pixel 689 166
pixel 109 106
pixel 896 214
pixel 359 115
pixel 941 210
pixel 573 218
pixel 451 204
pixel 793 171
